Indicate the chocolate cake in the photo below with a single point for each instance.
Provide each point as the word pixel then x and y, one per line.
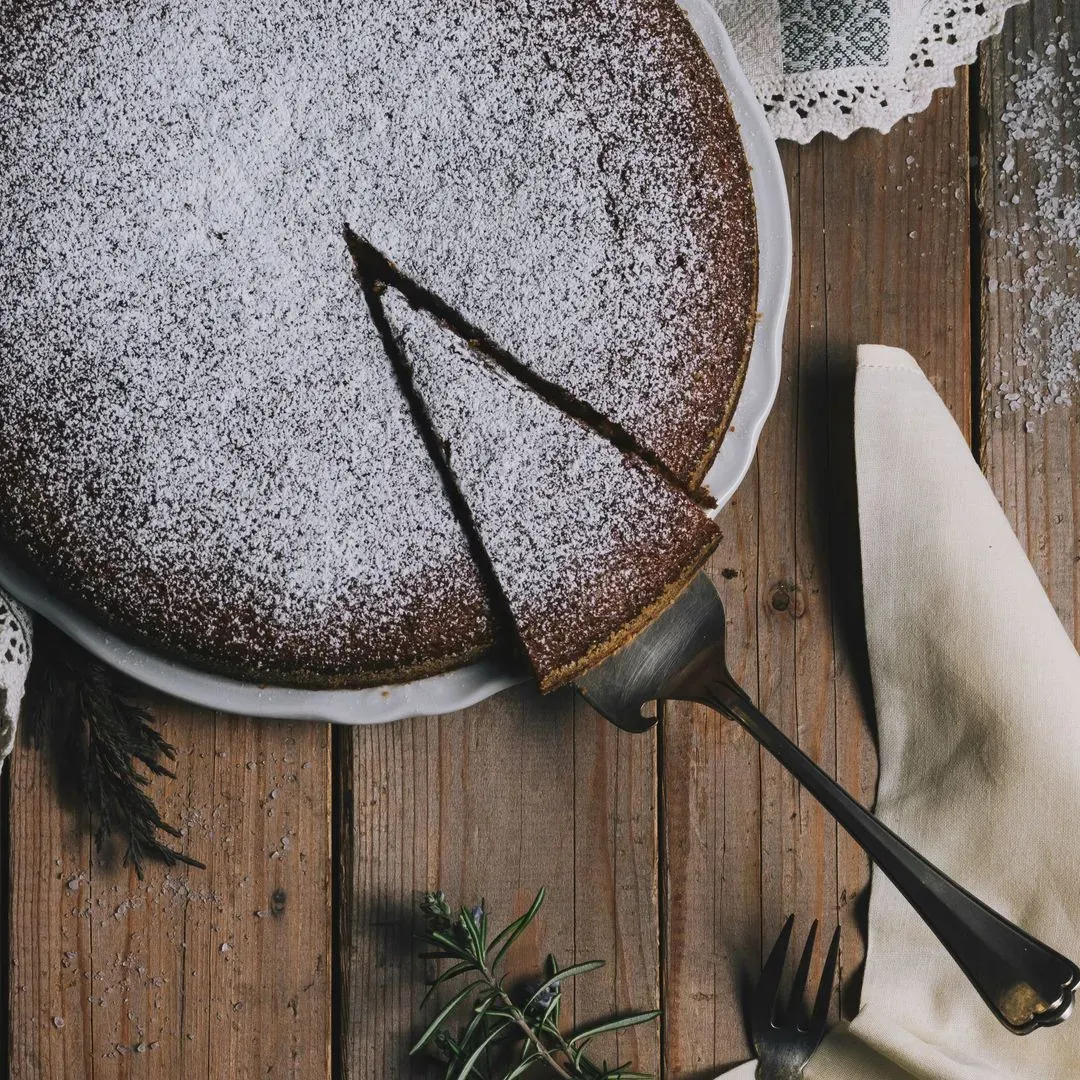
pixel 202 439
pixel 584 542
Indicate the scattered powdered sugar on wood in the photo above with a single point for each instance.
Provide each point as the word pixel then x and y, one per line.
pixel 1039 166
pixel 580 537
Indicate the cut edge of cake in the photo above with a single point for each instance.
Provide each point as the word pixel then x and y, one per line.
pixel 600 652
pixel 698 547
pixel 372 265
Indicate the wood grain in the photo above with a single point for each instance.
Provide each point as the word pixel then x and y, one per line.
pixel 49 947
pixel 517 793
pixel 187 973
pixel 898 271
pixel 881 228
pixel 675 860
pixel 1032 460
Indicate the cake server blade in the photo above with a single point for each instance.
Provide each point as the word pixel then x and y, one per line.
pixel 680 656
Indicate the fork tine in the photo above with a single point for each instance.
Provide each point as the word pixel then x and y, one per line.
pixel 768 989
pixel 820 1019
pixel 796 1008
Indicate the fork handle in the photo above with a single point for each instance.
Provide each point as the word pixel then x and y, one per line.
pixel 1026 983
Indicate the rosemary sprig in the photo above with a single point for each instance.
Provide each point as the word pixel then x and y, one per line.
pixel 505 1035
pixel 97 738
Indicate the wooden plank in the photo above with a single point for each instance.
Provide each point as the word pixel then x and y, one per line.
pixel 149 979
pixel 794 639
pixel 517 793
pixel 616 866
pixel 711 837
pixel 897 271
pixel 881 227
pixel 270 863
pixel 49 933
pixel 188 973
pixel 1030 286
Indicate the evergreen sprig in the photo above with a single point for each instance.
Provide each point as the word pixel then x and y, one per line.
pixel 97 739
pixel 505 1035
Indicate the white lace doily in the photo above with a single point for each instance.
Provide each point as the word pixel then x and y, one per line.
pixel 841 65
pixel 15 637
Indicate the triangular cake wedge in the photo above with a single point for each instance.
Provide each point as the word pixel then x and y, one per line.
pixel 586 543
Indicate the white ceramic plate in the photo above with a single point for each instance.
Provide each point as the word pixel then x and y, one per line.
pixel 459 689
pixel 774 259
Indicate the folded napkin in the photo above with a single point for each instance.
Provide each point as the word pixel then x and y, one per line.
pixel 977 697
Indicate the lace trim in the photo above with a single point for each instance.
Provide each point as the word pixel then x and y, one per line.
pixel 815 84
pixel 15 653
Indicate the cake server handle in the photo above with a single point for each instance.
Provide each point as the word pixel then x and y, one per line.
pixel 1026 984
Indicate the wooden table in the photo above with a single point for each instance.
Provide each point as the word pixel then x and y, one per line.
pixel 674 856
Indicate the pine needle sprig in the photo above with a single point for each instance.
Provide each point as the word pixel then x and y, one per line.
pixel 97 739
pixel 505 1035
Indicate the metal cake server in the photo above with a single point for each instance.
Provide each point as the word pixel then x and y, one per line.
pixel 680 656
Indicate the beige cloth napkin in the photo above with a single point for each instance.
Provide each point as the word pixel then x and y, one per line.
pixel 977 697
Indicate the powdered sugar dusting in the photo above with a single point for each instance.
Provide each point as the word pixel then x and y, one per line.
pixel 194 397
pixel 200 432
pixel 610 236
pixel 580 537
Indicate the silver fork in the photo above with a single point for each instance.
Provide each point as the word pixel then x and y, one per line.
pixel 784 1038
pixel 1025 983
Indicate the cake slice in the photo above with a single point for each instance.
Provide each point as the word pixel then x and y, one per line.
pixel 586 543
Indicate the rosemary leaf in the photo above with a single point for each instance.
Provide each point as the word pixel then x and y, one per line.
pixel 433 1028
pixel 97 739
pixel 614 1025
pixel 506 1036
